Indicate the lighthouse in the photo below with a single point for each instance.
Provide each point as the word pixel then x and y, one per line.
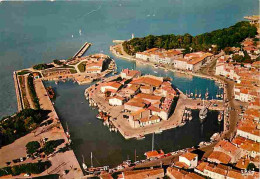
pixel 133 36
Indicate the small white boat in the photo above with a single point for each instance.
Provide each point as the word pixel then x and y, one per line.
pixel 155 72
pixel 140 137
pixel 72 36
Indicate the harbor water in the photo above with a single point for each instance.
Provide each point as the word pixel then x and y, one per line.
pixel 38 32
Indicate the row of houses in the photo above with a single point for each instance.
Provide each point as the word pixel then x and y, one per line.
pixel 175 58
pixel 146 99
pixel 247 78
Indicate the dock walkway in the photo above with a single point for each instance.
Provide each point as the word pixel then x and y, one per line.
pixel 20 105
pixel 82 50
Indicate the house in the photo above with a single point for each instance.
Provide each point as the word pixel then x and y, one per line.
pixel 216 171
pixel 110 86
pixel 149 120
pixel 227 148
pixel 176 173
pixel 135 104
pixel 154 154
pixel 219 157
pixel 116 100
pixel 190 159
pixel 249 147
pixel 192 61
pixel 146 89
pixel 161 56
pixel 148 80
pixel 129 74
pixel 248 129
pixel 144 174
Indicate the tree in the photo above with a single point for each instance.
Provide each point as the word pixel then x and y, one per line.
pixel 57 62
pixel 251 167
pixel 32 147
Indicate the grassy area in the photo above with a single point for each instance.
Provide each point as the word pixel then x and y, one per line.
pixel 82 67
pixel 73 71
pixel 33 92
pixel 22 123
pixel 23 91
pixel 30 168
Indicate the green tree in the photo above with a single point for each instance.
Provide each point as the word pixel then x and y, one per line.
pixel 251 167
pixel 32 147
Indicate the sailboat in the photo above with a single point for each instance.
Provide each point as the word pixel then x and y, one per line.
pixel 203 112
pixel 200 94
pixel 79 31
pixel 84 166
pixel 95 170
pixel 195 93
pixel 154 153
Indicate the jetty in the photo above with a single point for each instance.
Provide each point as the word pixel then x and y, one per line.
pixel 82 50
pixel 20 104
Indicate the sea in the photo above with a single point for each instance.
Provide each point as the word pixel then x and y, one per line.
pixel 40 31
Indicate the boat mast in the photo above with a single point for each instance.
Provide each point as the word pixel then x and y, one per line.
pixel 67 127
pixel 153 142
pixel 135 155
pixel 83 159
pixel 91 159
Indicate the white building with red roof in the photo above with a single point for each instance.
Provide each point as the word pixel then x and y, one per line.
pixel 190 159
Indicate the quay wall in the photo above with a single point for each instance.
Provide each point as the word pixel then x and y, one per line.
pixel 20 104
pixel 46 104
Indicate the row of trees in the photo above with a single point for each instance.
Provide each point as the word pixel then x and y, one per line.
pixel 42 66
pixel 33 92
pixel 14 127
pixel 48 148
pixel 31 168
pixel 227 37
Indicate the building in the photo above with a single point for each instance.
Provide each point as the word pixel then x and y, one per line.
pixel 129 74
pixel 228 149
pixel 116 101
pixel 144 174
pixel 190 159
pixel 176 173
pixel 110 86
pixel 160 56
pixel 192 61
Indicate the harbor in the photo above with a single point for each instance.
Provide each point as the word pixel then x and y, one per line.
pixel 86 129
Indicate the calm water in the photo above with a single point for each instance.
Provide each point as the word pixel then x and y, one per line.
pixel 36 32
pixel 90 135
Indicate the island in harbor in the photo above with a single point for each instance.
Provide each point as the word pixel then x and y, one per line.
pixel 136 105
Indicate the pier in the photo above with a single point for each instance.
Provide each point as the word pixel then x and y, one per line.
pixel 82 50
pixel 20 105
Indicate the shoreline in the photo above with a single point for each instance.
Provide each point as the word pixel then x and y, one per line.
pixel 131 58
